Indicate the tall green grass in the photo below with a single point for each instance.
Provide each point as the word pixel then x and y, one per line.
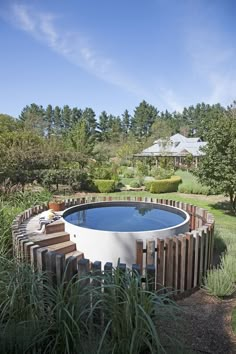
pixel 10 206
pixel 221 280
pixel 190 184
pixel 81 316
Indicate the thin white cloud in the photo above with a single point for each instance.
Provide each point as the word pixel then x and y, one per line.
pixel 170 99
pixel 21 18
pixel 212 58
pixel 73 46
pixel 223 89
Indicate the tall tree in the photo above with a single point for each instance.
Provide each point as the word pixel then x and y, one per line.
pixel 126 121
pixel 103 125
pixel 81 142
pixel 114 128
pixel 57 126
pixel 33 120
pixel 8 124
pixel 76 115
pixel 144 116
pixel 66 118
pixel 49 120
pixel 21 153
pixel 218 166
pixel 89 117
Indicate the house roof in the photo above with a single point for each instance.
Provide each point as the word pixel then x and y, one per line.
pixel 176 145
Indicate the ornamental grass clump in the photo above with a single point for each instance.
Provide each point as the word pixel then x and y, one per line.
pixel 93 314
pixel 221 281
pixel 218 282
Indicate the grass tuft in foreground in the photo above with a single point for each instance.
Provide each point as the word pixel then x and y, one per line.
pixel 111 314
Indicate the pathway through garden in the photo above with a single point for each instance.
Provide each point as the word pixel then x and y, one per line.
pixel 207 326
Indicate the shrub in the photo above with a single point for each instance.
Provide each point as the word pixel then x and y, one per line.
pixel 141 169
pixel 218 282
pixel 228 263
pixel 104 186
pixel 77 179
pixel 164 185
pixel 128 173
pixel 135 184
pixel 161 173
pixel 148 185
pixel 194 189
pixel 102 173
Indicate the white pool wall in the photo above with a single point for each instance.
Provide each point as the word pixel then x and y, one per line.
pixel 109 246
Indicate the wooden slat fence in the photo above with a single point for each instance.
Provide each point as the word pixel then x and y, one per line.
pixel 178 262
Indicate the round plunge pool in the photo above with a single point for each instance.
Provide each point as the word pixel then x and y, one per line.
pixel 107 231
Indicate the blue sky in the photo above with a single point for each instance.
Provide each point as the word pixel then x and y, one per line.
pixel 110 55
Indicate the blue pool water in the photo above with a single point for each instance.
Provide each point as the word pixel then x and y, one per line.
pixel 124 218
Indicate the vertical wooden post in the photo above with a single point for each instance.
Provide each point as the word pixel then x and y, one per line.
pixel 160 263
pixel 33 256
pixel 136 268
pixel 41 259
pixel 96 283
pixel 70 268
pixel 51 266
pixel 108 267
pixel 177 262
pixel 60 267
pixel 183 264
pixel 189 237
pixel 27 247
pixel 150 255
pixel 139 254
pixel 150 277
pixel 205 230
pixel 201 256
pixel 83 269
pixel 193 217
pixel 169 263
pixel 196 259
pixel 212 244
pixel 108 275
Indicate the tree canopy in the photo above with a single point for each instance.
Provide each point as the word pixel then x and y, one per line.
pixel 218 166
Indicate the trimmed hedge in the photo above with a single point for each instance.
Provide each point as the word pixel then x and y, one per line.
pixel 164 185
pixel 104 185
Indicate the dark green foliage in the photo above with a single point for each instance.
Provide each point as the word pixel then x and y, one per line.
pixel 90 118
pixel 11 205
pixel 49 120
pixel 103 172
pixel 33 119
pixel 9 124
pixel 144 117
pixel 77 179
pixel 104 186
pixel 141 169
pixel 126 122
pixel 218 166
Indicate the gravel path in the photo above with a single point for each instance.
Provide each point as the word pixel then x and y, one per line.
pixel 207 324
